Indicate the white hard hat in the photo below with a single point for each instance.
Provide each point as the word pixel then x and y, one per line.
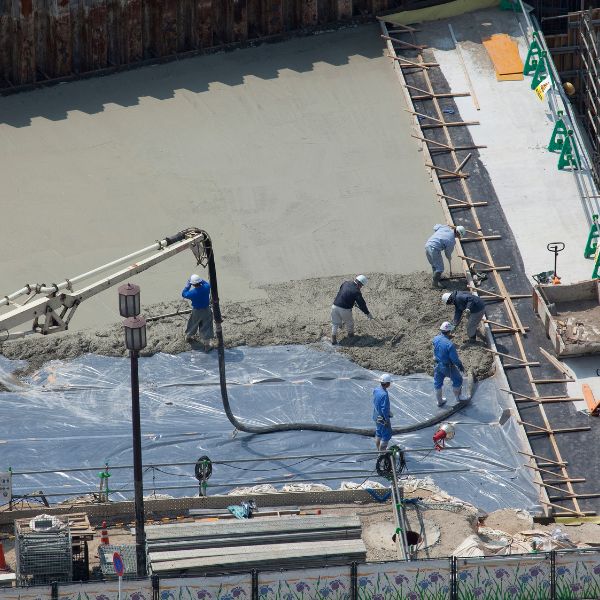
pixel 361 279
pixel 386 378
pixel 449 429
pixel 446 297
pixel 461 230
pixel 194 279
pixel 446 326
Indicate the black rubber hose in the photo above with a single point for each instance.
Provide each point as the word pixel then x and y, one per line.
pixel 368 432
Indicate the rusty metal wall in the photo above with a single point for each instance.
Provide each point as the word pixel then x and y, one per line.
pixel 42 40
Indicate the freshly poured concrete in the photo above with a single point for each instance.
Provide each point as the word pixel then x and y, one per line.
pixel 296 157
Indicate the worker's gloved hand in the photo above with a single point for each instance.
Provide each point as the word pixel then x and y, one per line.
pixel 380 420
pixel 391 416
pixel 370 316
pixel 467 312
pixel 461 369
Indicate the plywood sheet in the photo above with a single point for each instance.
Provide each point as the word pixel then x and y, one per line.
pixel 504 54
pixel 510 77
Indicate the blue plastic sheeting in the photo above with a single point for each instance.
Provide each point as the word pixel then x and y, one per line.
pixel 78 414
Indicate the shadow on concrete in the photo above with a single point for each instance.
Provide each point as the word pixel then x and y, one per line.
pixel 195 74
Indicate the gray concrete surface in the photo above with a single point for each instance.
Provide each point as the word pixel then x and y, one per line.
pixel 541 203
pixel 296 157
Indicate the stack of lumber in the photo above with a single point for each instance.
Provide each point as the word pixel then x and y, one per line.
pixel 243 545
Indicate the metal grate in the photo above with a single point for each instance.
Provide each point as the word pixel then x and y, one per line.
pixel 43 556
pixel 127 552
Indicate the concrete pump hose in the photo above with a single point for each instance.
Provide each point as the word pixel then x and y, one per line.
pixel 240 425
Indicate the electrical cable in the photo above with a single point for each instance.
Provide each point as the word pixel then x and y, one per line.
pixel 209 258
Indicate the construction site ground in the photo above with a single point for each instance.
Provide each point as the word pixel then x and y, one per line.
pixel 442 529
pixel 529 204
pixel 253 146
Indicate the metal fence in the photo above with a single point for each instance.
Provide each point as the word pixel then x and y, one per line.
pixel 556 575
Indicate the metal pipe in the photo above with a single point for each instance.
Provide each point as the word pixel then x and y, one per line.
pixel 585 170
pixel 227 462
pixel 67 283
pixel 138 476
pixel 399 509
pixel 253 483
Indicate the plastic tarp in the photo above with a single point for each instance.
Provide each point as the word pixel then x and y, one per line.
pixel 77 414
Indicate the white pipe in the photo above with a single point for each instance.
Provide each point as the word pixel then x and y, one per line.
pixel 67 283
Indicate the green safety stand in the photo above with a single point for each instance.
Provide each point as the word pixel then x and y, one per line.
pixel 569 157
pixel 595 273
pixel 509 5
pixel 592 241
pixel 533 56
pixel 540 72
pixel 559 134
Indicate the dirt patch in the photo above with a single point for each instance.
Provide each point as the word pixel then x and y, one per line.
pixel 408 313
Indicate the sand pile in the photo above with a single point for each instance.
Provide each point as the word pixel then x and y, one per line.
pixel 407 309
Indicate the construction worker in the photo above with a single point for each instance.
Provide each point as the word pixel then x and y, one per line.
pixel 469 304
pixel 381 412
pixel 443 238
pixel 348 295
pixel 198 291
pixel 447 363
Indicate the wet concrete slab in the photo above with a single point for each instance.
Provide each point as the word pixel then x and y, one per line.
pixel 296 157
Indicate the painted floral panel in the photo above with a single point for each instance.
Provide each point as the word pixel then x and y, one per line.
pixel 423 580
pixel 106 590
pixel 577 576
pixel 331 583
pixel 43 592
pixel 231 587
pixel 526 578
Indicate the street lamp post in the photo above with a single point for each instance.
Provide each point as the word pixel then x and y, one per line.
pixel 135 340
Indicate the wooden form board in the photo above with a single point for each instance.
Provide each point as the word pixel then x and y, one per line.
pixel 505 57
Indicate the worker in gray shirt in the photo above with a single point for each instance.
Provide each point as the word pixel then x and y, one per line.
pixel 348 295
pixel 443 238
pixel 466 303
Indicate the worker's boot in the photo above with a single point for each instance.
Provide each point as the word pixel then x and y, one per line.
pixel 440 399
pixel 457 392
pixel 437 283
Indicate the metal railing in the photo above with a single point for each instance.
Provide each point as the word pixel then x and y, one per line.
pixel 561 107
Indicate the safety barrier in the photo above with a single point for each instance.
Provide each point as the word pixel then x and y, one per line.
pixel 570 143
pixel 556 575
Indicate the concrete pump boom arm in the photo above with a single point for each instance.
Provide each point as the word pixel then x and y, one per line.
pixel 52 311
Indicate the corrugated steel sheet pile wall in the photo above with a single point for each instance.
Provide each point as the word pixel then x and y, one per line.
pixel 48 39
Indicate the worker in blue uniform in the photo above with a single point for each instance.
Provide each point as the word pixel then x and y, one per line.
pixel 469 304
pixel 197 290
pixel 443 238
pixel 381 412
pixel 447 363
